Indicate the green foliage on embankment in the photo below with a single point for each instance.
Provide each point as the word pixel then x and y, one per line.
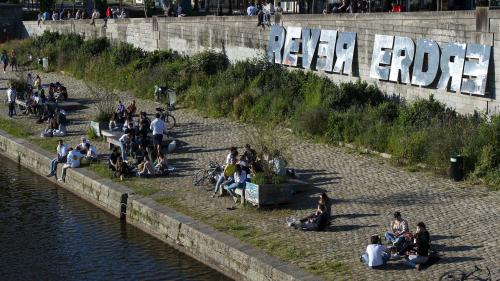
pixel 422 132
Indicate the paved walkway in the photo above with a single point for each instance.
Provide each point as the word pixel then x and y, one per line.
pixel 463 220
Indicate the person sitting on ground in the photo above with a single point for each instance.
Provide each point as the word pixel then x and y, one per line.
pixel 113 157
pixel 226 175
pixel 161 165
pixel 239 181
pixel 145 168
pixel 131 108
pixel 418 251
pixel 73 161
pixel 398 228
pixel 62 152
pixel 376 254
pixel 91 152
pixel 122 169
pixel 323 200
pixel 316 223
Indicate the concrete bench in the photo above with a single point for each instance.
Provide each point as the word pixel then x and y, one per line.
pixel 66 105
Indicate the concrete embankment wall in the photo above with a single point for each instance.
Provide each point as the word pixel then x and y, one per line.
pixel 222 252
pixel 242 39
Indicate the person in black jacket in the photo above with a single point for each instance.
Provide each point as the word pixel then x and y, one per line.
pixel 316 223
pixel 421 247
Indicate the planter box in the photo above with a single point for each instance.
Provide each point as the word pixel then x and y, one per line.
pixel 98 127
pixel 272 194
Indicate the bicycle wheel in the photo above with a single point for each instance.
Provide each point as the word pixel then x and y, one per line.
pixel 170 121
pixel 454 275
pixel 199 177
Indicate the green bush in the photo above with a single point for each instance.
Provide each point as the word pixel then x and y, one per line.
pixel 124 53
pixel 95 47
pixel 209 62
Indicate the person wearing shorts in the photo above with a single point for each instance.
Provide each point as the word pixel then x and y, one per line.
pixel 158 127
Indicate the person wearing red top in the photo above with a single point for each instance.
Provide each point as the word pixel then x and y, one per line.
pixel 108 12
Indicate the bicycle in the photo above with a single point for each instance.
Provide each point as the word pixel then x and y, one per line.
pixel 478 274
pixel 210 173
pixel 167 117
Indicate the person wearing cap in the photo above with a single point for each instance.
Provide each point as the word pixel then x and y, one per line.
pixel 376 254
pixel 398 227
pixel 62 152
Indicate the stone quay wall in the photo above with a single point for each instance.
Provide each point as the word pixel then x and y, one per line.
pixel 242 39
pixel 222 252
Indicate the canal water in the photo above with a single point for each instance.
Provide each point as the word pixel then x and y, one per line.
pixel 47 233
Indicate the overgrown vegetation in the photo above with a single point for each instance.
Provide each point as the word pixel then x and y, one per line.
pixel 422 132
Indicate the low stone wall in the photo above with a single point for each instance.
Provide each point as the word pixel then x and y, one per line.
pixel 222 252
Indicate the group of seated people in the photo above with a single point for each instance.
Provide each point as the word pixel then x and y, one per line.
pixel 45 107
pixel 122 118
pixel 237 171
pixel 402 243
pixel 72 157
pixel 142 165
pixel 137 142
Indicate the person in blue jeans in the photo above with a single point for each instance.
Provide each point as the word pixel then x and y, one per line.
pixel 399 226
pixel 239 181
pixel 376 254
pixel 62 152
pixel 226 175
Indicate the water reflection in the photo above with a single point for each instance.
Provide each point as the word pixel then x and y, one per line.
pixel 47 233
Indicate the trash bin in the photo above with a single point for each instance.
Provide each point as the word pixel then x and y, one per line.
pixel 45 64
pixel 457 167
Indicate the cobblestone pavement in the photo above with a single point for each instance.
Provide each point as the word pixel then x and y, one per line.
pixel 463 220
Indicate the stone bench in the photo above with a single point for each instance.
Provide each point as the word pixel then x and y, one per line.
pixel 66 105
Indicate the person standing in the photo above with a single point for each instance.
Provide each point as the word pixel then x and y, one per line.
pixel 11 99
pixel 4 58
pixel 62 153
pixel 13 60
pixel 158 127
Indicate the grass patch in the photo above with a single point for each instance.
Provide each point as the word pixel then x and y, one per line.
pixel 326 268
pixel 14 128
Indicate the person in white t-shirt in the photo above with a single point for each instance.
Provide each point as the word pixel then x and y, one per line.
pixel 158 127
pixel 376 254
pixel 73 161
pixel 62 152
